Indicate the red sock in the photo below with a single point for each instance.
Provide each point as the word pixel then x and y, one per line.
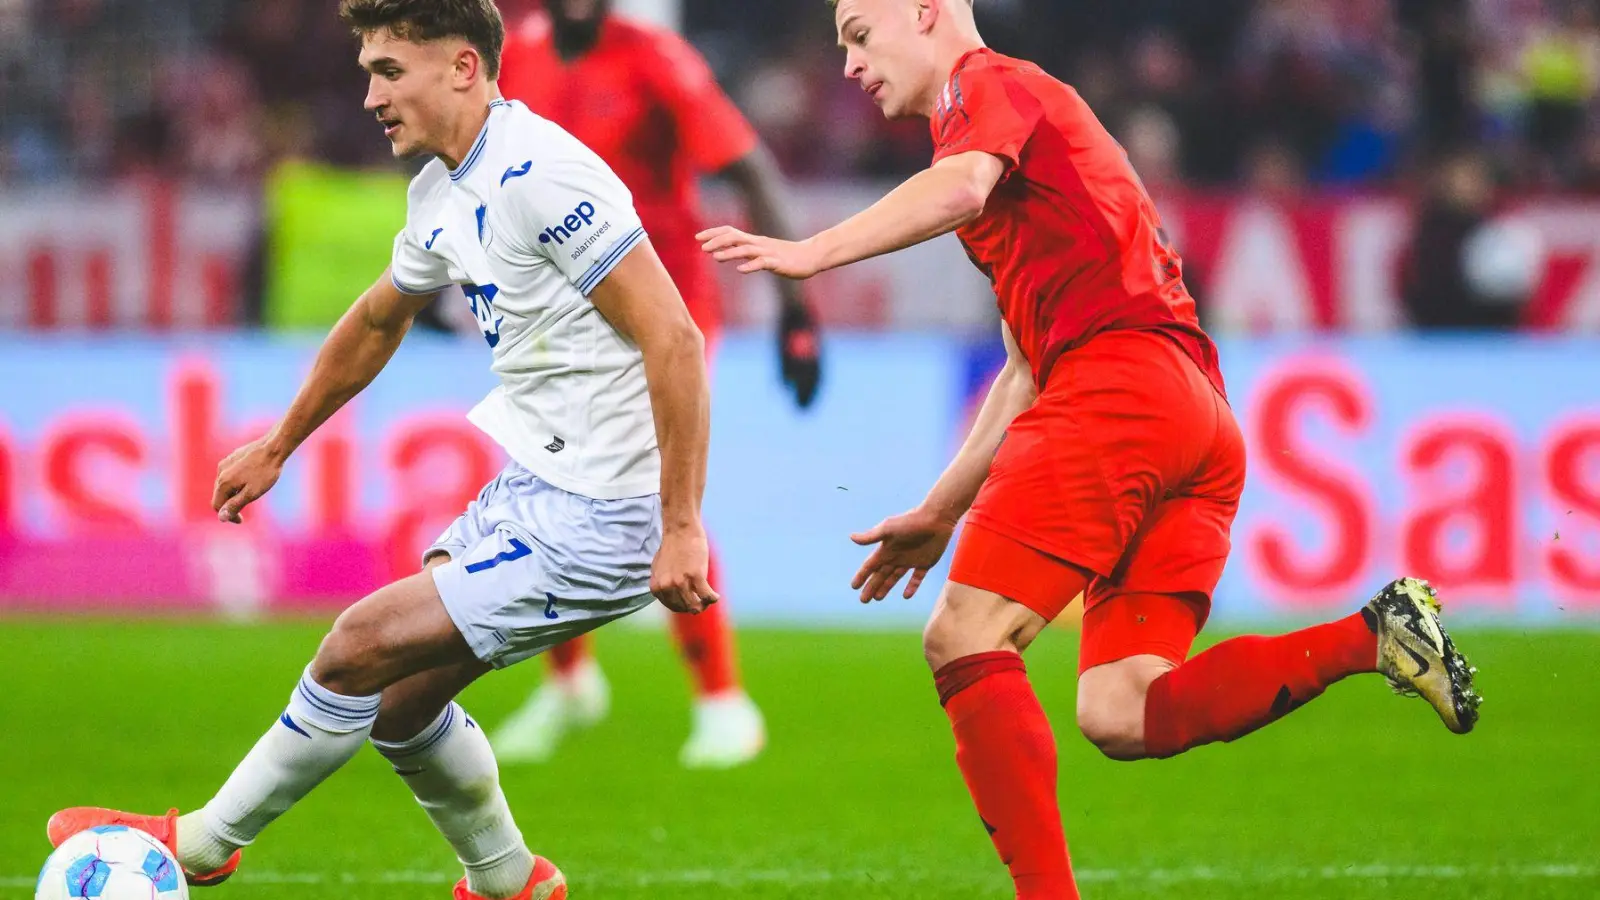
pixel 706 642
pixel 1007 755
pixel 1247 682
pixel 565 657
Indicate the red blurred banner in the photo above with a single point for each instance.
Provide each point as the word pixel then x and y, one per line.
pixel 163 257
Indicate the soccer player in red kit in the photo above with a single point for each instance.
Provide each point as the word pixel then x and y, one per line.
pixel 646 102
pixel 1105 460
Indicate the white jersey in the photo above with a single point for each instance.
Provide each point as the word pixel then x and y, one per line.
pixel 528 224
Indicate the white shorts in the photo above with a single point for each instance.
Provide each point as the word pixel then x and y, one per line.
pixel 532 565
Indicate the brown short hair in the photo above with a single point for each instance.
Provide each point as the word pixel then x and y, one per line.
pixel 477 22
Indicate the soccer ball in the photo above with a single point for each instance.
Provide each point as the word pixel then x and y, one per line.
pixel 112 862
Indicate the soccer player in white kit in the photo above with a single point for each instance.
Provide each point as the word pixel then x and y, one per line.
pixel 602 407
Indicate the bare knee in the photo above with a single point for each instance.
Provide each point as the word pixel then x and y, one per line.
pixel 1115 730
pixel 346 661
pixel 399 631
pixel 968 621
pixel 1111 700
pixel 943 642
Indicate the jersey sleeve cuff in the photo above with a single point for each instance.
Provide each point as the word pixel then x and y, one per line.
pixel 1010 155
pixel 413 291
pixel 603 266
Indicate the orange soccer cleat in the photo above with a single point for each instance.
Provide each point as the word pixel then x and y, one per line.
pixel 546 883
pixel 69 822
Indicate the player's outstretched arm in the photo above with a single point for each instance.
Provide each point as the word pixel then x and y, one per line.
pixel 639 299
pixel 914 541
pixel 935 201
pixel 760 183
pixel 357 349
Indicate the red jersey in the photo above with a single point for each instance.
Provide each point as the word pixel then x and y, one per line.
pixel 1069 238
pixel 646 102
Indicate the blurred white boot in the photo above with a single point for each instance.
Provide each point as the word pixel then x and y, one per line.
pixel 580 699
pixel 728 731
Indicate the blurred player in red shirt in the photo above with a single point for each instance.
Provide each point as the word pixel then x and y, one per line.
pixel 646 102
pixel 1105 461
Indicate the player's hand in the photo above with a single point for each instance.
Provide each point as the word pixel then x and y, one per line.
pixel 799 348
pixel 791 259
pixel 679 577
pixel 911 542
pixel 243 477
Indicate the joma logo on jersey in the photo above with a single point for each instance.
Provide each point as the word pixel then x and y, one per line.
pixel 581 217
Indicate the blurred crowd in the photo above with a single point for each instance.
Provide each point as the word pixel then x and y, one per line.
pixel 1277 94
pixel 1457 103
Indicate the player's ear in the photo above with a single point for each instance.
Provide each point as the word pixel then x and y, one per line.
pixel 468 64
pixel 927 15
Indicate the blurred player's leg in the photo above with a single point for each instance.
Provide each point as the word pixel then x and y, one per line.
pixel 705 642
pixel 1004 743
pixel 583 688
pixel 728 727
pixel 443 756
pixel 564 658
pixel 574 694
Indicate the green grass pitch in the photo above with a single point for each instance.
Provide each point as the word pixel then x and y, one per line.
pixel 1359 795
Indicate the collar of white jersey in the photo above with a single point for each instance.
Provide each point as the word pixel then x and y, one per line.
pixel 461 171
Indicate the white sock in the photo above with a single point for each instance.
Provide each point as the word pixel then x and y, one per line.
pixel 318 733
pixel 451 770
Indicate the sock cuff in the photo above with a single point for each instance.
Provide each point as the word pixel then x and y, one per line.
pixel 426 740
pixel 211 832
pixel 336 713
pixel 960 674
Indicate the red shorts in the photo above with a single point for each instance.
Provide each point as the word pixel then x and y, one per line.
pixel 1122 480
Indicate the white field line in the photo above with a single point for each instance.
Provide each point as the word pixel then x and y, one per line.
pixel 738 877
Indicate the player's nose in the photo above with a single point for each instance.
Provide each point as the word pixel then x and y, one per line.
pixel 852 66
pixel 375 101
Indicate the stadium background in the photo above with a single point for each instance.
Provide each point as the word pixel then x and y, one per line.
pixel 1389 212
pixel 1390 215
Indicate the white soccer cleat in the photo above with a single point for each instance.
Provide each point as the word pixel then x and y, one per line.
pixel 1418 657
pixel 534 731
pixel 728 731
pixel 581 699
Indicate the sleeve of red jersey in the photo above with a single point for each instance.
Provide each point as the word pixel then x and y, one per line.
pixel 714 133
pixel 985 109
